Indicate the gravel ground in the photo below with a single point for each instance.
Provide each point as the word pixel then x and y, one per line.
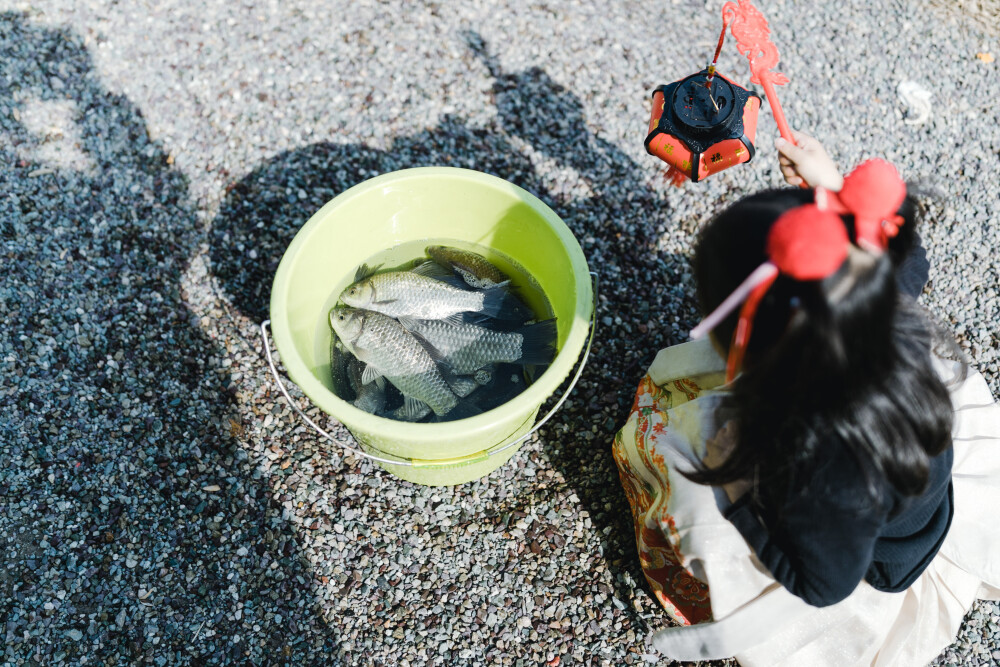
pixel 162 505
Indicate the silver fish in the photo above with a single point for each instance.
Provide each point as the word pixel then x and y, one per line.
pixel 390 351
pixel 411 294
pixel 466 348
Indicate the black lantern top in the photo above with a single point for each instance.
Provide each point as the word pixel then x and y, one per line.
pixel 702 111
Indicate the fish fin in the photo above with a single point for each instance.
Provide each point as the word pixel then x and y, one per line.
pixel 538 342
pixel 496 324
pixel 380 383
pixel 471 279
pixel 473 318
pixel 441 273
pixel 455 320
pixel 365 271
pixel 493 298
pixel 412 409
pixel 455 280
pixel 431 269
pixel 408 323
pixel 435 354
pixel 370 374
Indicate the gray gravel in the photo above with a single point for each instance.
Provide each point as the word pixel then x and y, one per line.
pixel 161 505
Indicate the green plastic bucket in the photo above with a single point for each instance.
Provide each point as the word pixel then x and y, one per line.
pixel 416 205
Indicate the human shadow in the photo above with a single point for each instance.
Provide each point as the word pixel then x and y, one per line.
pixel 618 222
pixel 619 226
pixel 135 528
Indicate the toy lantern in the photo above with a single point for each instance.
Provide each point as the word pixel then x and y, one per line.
pixel 705 122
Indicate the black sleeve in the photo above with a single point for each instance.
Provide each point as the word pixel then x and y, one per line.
pixel 821 544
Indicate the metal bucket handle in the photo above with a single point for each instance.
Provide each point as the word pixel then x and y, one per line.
pixel 469 458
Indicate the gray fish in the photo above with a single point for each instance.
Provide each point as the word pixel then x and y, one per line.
pixel 368 397
pixel 512 308
pixel 410 294
pixel 466 347
pixel 504 382
pixel 476 270
pixel 390 351
pixel 340 360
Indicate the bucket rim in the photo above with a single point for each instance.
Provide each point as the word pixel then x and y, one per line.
pixel 392 430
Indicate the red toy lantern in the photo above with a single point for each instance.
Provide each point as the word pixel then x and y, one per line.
pixel 705 122
pixel 702 125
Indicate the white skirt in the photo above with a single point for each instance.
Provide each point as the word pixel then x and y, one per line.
pixel 708 579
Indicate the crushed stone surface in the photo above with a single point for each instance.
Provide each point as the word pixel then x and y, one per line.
pixel 162 504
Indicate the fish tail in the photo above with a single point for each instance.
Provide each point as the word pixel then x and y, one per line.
pixel 538 345
pixel 500 303
pixel 494 299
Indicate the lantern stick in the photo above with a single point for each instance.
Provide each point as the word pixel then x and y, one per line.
pixel 779 114
pixel 752 35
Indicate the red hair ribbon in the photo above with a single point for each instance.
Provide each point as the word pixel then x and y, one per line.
pixel 810 242
pixel 805 243
pixel 872 193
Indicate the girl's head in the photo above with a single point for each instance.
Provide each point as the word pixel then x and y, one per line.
pixel 841 357
pixel 860 294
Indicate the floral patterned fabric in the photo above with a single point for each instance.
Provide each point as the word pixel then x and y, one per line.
pixel 683 595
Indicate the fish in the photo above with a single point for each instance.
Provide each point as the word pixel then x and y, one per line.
pixel 466 348
pixel 411 294
pixel 368 397
pixel 501 384
pixel 390 351
pixel 340 360
pixel 476 270
pixel 513 311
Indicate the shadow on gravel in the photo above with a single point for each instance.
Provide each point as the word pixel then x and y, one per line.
pixel 617 221
pixel 134 530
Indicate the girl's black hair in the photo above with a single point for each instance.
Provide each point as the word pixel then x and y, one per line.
pixel 840 359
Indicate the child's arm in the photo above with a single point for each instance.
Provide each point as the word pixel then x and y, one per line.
pixel 820 541
pixel 806 162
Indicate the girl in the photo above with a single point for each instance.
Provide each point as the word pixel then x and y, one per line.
pixel 811 482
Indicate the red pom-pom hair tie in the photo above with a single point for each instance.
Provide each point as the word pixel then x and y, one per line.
pixel 872 193
pixel 806 243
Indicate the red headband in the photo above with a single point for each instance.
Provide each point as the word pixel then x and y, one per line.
pixel 872 193
pixel 810 242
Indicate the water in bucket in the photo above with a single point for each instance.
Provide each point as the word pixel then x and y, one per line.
pixel 497 383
